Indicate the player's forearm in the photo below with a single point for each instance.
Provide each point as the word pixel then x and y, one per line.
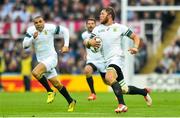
pixel 27 42
pixel 65 34
pixel 86 42
pixel 136 40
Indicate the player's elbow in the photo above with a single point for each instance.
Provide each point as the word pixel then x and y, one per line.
pixel 86 43
pixel 25 45
pixel 135 37
pixel 66 32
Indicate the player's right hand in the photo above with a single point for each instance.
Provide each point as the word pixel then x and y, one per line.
pixel 94 43
pixel 35 35
pixel 64 49
pixel 133 50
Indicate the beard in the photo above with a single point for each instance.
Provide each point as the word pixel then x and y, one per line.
pixel 90 29
pixel 40 28
pixel 105 20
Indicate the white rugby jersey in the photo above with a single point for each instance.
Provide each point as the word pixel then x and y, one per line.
pixel 44 43
pixel 111 39
pixel 91 56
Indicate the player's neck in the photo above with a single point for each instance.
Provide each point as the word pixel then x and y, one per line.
pixel 89 31
pixel 109 23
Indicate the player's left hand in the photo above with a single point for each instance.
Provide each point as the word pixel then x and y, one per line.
pixel 133 50
pixel 64 49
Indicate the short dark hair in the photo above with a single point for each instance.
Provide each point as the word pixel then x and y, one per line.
pixel 110 11
pixel 91 18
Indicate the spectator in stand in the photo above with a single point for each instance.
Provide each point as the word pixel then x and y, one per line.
pixel 2 65
pixel 69 11
pixel 26 69
pixel 160 69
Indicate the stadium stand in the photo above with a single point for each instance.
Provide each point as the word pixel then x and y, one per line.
pixel 16 14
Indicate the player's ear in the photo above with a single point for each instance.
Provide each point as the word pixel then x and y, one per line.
pixel 109 16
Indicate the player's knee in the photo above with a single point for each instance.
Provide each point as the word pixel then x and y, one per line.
pixel 36 75
pixel 88 72
pixel 109 78
pixel 125 89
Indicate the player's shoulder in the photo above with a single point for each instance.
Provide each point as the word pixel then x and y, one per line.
pixel 98 27
pixel 85 34
pixel 49 25
pixel 31 29
pixel 120 25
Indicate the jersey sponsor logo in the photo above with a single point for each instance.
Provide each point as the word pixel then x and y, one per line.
pixel 102 30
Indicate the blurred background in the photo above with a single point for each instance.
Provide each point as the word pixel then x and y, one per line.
pixel 157 65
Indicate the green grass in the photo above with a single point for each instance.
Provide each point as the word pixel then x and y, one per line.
pixel 165 104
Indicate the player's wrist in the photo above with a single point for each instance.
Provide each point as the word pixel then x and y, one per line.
pixel 136 46
pixel 88 44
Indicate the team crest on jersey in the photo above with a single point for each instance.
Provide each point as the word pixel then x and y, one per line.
pixel 45 32
pixel 115 29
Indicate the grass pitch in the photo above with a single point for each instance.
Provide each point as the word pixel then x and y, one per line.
pixel 29 104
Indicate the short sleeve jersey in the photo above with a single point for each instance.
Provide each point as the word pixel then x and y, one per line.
pixel 111 39
pixel 91 56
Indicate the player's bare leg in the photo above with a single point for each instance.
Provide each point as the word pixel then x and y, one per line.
pixel 38 74
pixel 110 77
pixel 57 84
pixel 38 71
pixel 88 70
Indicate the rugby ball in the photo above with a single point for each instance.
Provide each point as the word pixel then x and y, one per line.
pixel 97 49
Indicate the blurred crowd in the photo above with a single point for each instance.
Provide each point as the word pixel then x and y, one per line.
pixel 23 11
pixel 54 10
pixel 170 63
